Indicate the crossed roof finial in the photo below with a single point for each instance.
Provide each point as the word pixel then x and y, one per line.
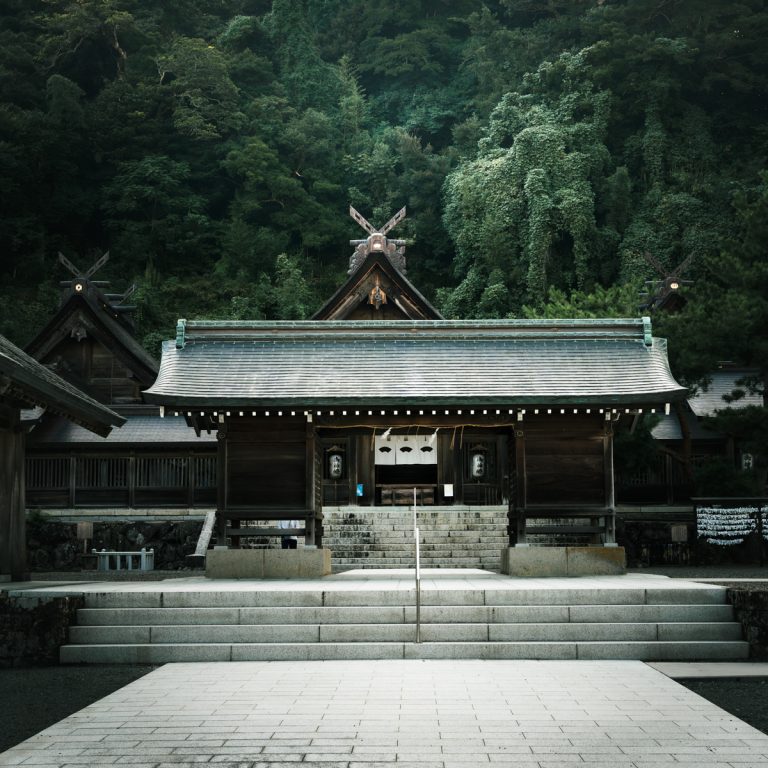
pixel 377 241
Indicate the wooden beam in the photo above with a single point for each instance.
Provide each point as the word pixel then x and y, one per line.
pixel 13 542
pixel 363 422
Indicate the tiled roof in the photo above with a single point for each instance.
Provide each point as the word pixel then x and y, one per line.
pixel 34 385
pixel 439 362
pixel 137 429
pixel 668 428
pixel 705 403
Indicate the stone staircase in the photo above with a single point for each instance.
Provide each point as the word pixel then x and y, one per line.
pixel 377 622
pixel 382 537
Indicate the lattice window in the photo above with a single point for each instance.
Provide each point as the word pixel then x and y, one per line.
pixel 162 472
pixel 205 472
pixel 92 472
pixel 47 473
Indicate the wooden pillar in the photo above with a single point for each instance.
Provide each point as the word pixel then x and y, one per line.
pixel 352 470
pixel 366 470
pixel 454 446
pixel 310 479
pixel 191 473
pixel 72 479
pixel 13 540
pixel 132 480
pixel 521 486
pixel 221 486
pixel 446 472
pixel 609 495
pixel 502 471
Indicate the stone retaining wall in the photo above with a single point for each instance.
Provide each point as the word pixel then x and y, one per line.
pixel 54 546
pixel 751 608
pixel 32 629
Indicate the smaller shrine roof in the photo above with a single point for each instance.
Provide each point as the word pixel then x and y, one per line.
pixel 102 318
pixel 143 429
pixel 668 428
pixel 23 379
pixel 509 362
pixel 723 383
pixel 355 290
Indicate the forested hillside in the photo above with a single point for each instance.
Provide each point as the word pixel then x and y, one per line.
pixel 541 146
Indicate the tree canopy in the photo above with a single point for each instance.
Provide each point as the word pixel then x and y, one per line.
pixel 542 148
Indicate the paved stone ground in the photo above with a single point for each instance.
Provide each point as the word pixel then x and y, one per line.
pixel 422 714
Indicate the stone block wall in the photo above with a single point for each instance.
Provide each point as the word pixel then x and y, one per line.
pixel 54 546
pixel 32 629
pixel 751 608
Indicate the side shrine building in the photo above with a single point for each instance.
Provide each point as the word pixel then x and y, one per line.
pixel 501 430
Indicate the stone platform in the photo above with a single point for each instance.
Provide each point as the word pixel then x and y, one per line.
pixel 409 714
pixel 268 563
pixel 465 614
pixel 563 561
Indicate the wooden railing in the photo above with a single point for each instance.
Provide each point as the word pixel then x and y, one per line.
pixel 268 525
pixel 600 525
pixel 121 480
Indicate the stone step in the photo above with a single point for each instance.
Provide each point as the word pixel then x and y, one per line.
pixel 470 537
pixel 407 545
pixel 639 650
pixel 422 513
pixel 373 633
pixel 376 596
pixel 423 521
pixel 451 537
pixel 447 614
pixel 407 529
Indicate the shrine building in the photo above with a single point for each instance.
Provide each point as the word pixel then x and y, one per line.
pixel 346 418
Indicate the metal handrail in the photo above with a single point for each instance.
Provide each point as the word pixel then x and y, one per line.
pixel 418 571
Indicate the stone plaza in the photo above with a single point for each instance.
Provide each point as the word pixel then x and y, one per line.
pixel 422 714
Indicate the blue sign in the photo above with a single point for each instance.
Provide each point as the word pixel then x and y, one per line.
pixel 360 489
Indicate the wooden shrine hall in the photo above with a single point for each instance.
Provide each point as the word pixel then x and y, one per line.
pixel 150 463
pixel 378 399
pixel 27 390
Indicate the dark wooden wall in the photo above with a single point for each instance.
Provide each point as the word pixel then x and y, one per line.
pixel 549 459
pixel 90 366
pixel 563 459
pixel 266 462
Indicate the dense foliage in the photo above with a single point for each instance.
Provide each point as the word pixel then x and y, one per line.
pixel 541 146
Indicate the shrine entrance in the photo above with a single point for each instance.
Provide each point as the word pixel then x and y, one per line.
pixel 405 465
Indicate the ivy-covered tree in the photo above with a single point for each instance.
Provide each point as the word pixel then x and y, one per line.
pixel 526 205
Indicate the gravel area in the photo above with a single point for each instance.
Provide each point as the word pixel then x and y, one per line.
pixel 707 571
pixel 746 699
pixel 32 698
